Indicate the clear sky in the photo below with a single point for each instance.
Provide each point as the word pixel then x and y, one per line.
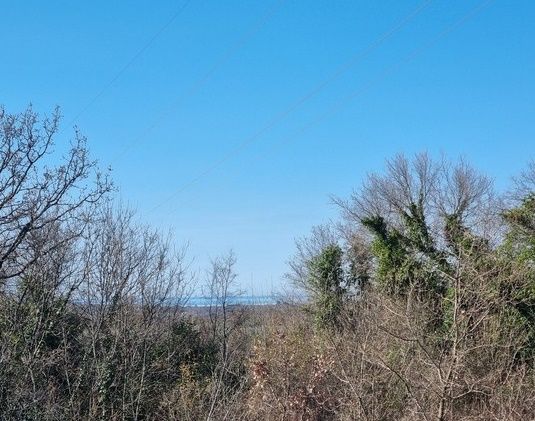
pixel 194 81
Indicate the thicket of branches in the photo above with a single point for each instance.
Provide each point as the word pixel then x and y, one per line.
pixel 91 301
pixel 441 323
pixel 421 302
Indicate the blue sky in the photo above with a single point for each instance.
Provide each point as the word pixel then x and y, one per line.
pixel 470 93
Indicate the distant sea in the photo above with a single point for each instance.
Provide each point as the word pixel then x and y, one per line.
pixel 257 300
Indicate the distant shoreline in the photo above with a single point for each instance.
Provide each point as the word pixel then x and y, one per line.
pixel 248 300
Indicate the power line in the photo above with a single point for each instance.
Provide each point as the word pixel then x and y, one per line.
pixel 347 99
pixel 341 70
pixel 138 54
pixel 196 87
pixel 339 105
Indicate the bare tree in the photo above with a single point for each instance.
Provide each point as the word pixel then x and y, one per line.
pixel 133 290
pixel 33 195
pixel 524 184
pixel 307 248
pixel 35 320
pixel 405 185
pixel 225 319
pixel 422 189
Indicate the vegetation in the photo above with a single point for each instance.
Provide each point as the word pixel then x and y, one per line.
pixel 421 302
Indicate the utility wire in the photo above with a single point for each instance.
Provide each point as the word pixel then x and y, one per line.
pixel 341 70
pixel 339 105
pixel 196 87
pixel 136 56
pixel 347 99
